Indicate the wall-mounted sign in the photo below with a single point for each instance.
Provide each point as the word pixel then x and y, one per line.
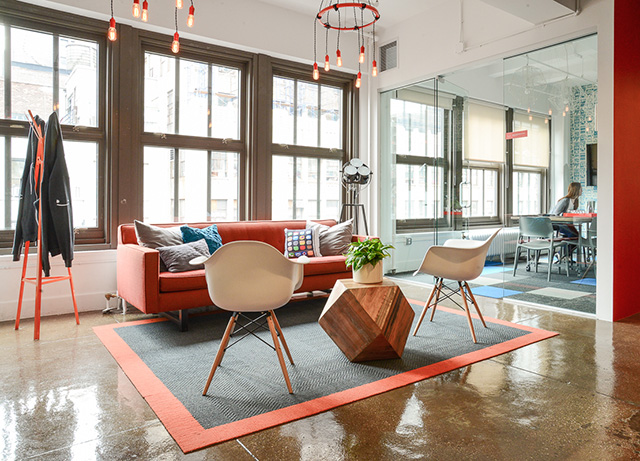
pixel 517 134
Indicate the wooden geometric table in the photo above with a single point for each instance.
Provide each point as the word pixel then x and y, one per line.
pixel 367 321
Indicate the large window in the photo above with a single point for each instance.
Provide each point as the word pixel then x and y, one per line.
pixel 421 160
pixel 530 163
pixel 479 193
pixel 51 71
pixel 308 147
pixel 194 174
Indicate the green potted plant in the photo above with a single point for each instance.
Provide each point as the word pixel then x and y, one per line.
pixel 365 259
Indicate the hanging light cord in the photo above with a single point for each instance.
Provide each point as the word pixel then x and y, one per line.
pixel 112 8
pixel 176 18
pixel 315 40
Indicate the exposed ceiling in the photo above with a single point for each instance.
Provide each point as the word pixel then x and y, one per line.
pixel 392 12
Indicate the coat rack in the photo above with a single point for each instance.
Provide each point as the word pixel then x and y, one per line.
pixel 38 280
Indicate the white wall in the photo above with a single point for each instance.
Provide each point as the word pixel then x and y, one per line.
pixel 94 274
pixel 427 48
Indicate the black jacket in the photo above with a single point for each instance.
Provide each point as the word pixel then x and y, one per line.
pixel 26 223
pixel 57 215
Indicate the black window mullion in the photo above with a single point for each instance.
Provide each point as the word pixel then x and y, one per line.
pixel 56 73
pixel 176 183
pixel 319 112
pixel 7 71
pixel 176 96
pixel 295 113
pixel 295 186
pixel 7 182
pixel 209 166
pixel 318 172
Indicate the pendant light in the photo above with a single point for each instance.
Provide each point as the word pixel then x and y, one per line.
pixel 145 11
pixel 179 4
pixel 136 9
pixel 175 45
pixel 192 12
pixel 112 34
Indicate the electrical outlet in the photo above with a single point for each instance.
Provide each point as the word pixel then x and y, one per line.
pixel 408 241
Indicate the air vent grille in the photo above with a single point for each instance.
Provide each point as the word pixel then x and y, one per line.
pixel 389 56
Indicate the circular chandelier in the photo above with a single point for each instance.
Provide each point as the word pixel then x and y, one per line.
pixel 345 16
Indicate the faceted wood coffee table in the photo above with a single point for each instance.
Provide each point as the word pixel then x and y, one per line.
pixel 367 321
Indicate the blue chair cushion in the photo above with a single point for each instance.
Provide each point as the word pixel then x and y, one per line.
pixel 209 234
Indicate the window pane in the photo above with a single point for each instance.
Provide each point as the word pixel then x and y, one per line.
pixel 411 192
pixel 31 73
pixel 2 114
pixel 18 157
pixel 192 186
pixel 283 111
pixel 307 188
pixel 307 115
pixel 158 184
pixel 159 93
pixel 3 224
pixel 490 193
pixel 224 186
pixel 527 199
pixel 329 189
pixel 82 163
pixel 331 120
pixel 225 113
pixel 282 187
pixel 78 90
pixel 194 98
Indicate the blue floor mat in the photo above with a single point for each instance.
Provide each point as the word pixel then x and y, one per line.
pixel 585 281
pixel 494 292
pixel 494 269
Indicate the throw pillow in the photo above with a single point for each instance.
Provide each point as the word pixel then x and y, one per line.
pixel 334 240
pixel 209 234
pixel 153 236
pixel 177 257
pixel 301 242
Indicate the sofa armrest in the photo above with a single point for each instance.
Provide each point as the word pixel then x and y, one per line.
pixel 139 276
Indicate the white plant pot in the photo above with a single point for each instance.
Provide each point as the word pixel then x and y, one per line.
pixel 368 273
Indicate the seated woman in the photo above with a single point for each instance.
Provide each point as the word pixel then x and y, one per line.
pixel 568 203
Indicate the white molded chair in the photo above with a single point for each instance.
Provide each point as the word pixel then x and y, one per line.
pixel 251 276
pixel 459 260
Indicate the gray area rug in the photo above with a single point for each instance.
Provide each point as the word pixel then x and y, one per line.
pixel 249 382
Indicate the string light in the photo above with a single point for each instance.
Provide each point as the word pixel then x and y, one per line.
pixel 136 8
pixel 374 64
pixel 359 80
pixel 316 73
pixel 145 11
pixel 175 45
pixel 112 34
pixel 327 66
pixel 192 12
pixel 179 4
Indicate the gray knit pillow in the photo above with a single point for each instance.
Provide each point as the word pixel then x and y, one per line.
pixel 177 257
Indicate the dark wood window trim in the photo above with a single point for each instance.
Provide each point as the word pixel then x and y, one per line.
pixel 24 15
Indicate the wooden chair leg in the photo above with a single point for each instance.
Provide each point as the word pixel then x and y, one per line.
pixel 466 308
pixel 435 303
pixel 426 306
pixel 473 300
pixel 281 335
pixel 276 344
pixel 221 349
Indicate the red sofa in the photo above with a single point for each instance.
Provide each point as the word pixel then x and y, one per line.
pixel 141 283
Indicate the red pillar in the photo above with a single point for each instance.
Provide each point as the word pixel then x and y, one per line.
pixel 626 166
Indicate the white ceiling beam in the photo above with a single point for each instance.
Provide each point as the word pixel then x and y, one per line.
pixel 536 11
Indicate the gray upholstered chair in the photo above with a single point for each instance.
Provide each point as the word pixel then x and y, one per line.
pixel 537 235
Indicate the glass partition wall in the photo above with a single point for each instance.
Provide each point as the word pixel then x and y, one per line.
pixel 485 147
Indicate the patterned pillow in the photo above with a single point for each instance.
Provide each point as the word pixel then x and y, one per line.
pixel 301 242
pixel 209 234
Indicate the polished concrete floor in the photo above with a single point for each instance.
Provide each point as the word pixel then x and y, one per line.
pixel 575 396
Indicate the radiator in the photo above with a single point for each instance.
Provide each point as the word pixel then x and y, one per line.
pixel 503 245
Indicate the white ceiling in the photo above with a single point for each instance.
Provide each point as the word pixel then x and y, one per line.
pixel 392 12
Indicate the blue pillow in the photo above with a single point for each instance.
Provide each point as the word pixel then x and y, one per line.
pixel 209 234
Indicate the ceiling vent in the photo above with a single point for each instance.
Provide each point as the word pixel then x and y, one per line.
pixel 389 56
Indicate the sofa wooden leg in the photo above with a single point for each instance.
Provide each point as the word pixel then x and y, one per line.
pixel 180 318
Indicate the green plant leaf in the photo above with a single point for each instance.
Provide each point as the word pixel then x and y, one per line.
pixel 370 251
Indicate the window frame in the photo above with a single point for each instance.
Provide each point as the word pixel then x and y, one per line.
pixel 336 79
pixel 445 162
pixel 59 24
pixel 485 220
pixel 194 51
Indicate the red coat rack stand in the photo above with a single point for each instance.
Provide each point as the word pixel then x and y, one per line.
pixel 38 280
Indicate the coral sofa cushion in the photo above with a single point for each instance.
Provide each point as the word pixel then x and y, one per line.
pixel 325 265
pixel 182 281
